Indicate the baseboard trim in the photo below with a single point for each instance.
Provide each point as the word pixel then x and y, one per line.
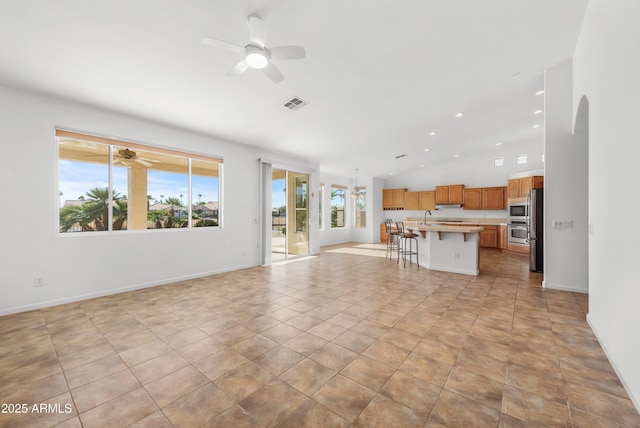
pixel 562 287
pixel 112 291
pixel 461 271
pixel 634 399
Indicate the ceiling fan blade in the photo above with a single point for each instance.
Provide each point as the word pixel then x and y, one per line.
pixel 222 44
pixel 273 73
pixel 239 68
pixel 287 52
pixel 144 162
pixel 257 30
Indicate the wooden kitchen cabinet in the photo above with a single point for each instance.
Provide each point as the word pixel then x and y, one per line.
pixel 412 201
pixel 387 198
pixel 452 194
pixel 489 236
pixel 472 199
pixel 518 248
pixel 393 199
pixel 484 198
pixel 428 200
pixel 493 198
pixel 503 238
pixel 518 188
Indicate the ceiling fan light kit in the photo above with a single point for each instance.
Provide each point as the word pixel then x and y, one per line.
pixel 256 55
pixel 256 58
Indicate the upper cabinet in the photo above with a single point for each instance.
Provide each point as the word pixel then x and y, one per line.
pixel 484 198
pixel 393 199
pixel 428 200
pixel 452 194
pixel 412 201
pixel 519 187
pixel 494 198
pixel 472 199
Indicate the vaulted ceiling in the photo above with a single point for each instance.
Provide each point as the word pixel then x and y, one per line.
pixel 379 75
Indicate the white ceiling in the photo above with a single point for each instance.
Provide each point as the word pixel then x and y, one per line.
pixel 379 74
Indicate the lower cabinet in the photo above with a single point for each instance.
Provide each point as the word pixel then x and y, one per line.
pixel 518 248
pixel 503 238
pixel 489 236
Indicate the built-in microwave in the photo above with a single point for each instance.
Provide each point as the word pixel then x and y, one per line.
pixel 518 211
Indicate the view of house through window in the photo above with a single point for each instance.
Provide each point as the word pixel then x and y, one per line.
pixel 337 206
pixel 148 188
pixel 361 207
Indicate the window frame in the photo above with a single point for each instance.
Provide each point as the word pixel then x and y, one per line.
pixel 111 143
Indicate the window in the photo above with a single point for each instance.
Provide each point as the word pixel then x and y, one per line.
pixel 111 185
pixel 320 193
pixel 301 203
pixel 360 197
pixel 337 206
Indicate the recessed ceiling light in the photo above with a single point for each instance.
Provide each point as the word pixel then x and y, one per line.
pixel 540 92
pixel 391 173
pixel 456 156
pixel 422 166
pixel 459 115
pixel 427 149
pixel 537 112
pixel 498 144
pixel 536 126
pixel 432 133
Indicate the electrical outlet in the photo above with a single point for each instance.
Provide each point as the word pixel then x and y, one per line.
pixel 38 281
pixel 456 256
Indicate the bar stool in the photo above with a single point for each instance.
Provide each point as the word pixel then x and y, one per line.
pixel 392 238
pixel 405 235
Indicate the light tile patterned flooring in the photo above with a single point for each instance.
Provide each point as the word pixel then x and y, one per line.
pixel 347 338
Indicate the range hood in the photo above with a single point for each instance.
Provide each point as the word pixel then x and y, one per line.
pixel 444 206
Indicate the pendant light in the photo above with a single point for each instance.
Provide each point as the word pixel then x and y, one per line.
pixel 357 190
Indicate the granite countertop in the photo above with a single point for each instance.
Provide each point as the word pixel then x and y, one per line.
pixel 450 228
pixel 459 221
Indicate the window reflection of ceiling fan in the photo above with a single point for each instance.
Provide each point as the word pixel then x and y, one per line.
pixel 127 157
pixel 124 157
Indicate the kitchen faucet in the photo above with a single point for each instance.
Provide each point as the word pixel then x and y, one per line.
pixel 425 215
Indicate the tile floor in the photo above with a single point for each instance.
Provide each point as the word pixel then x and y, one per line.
pixel 347 338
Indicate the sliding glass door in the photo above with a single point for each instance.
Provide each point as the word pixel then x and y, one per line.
pixel 290 214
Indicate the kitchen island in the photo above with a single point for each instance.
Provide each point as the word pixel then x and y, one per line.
pixel 448 248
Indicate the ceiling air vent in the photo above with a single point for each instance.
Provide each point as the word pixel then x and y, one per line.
pixel 295 103
pixel 400 156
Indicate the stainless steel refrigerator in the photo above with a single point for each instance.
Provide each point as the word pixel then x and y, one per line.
pixel 535 228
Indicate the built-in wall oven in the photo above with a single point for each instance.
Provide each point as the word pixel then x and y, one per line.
pixel 518 232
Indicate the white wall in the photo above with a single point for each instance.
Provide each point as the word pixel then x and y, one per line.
pixel 566 187
pixel 86 265
pixel 475 170
pixel 606 70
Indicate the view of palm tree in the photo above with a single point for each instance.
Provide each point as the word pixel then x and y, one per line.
pixel 93 214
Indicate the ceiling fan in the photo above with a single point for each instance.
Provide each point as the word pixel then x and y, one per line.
pixel 256 54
